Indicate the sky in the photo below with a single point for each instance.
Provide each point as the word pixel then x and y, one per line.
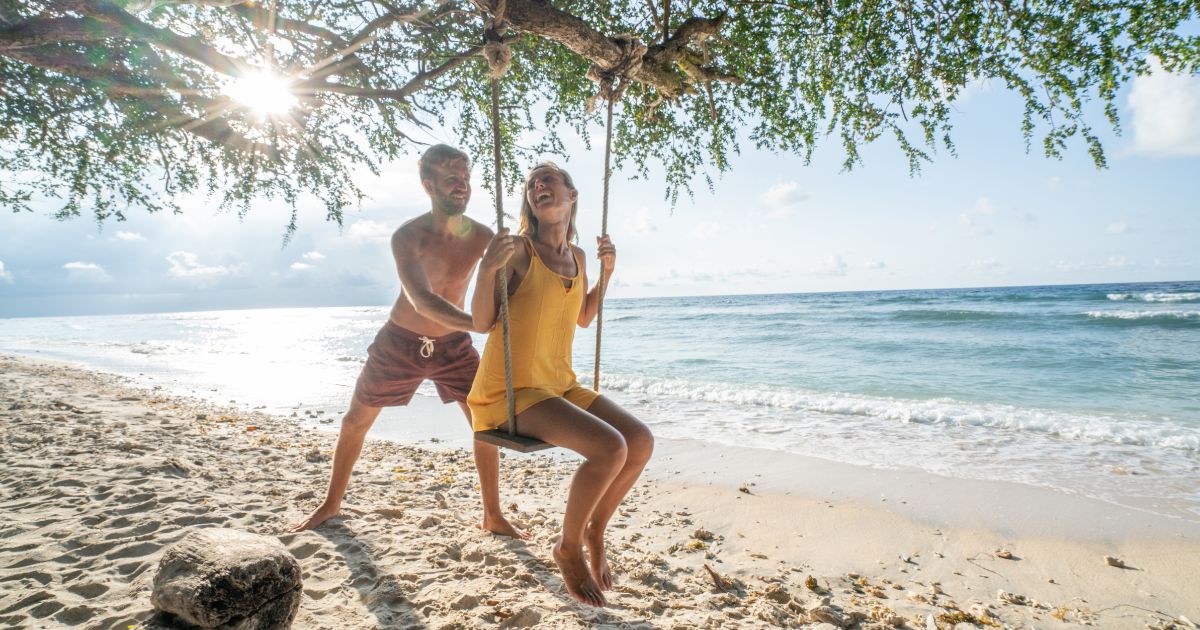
pixel 994 215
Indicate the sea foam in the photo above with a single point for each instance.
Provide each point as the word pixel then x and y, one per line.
pixel 945 412
pixel 1155 297
pixel 1142 315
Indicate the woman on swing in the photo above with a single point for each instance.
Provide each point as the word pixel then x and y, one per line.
pixel 548 296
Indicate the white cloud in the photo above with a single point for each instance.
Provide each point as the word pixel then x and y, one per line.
pixel 1117 228
pixel 369 231
pixel 706 229
pixel 1115 261
pixel 971 218
pixel 130 236
pixel 1067 265
pixel 398 187
pixel 1119 262
pixel 299 266
pixel 836 265
pixel 187 265
pixel 86 272
pixel 313 255
pixel 640 223
pixel 874 264
pixel 5 275
pixel 782 198
pixel 1166 113
pixel 985 263
pixel 983 205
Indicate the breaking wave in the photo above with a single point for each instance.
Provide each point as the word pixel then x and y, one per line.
pixel 943 411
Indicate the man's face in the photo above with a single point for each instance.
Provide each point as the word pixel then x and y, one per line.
pixel 450 187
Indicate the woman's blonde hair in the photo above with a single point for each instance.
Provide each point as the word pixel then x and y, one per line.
pixel 529 222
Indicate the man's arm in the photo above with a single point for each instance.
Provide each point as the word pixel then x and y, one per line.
pixel 416 287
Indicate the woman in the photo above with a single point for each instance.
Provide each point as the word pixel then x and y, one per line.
pixel 547 281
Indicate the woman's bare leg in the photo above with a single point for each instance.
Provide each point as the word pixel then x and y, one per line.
pixel 639 443
pixel 562 424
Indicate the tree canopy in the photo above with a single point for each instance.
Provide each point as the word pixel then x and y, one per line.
pixel 109 105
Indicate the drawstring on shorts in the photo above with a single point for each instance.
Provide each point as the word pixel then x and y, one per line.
pixel 426 347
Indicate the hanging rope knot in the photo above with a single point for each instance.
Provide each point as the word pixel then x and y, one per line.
pixel 426 346
pixel 613 80
pixel 495 49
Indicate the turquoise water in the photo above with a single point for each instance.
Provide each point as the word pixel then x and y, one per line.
pixel 1089 389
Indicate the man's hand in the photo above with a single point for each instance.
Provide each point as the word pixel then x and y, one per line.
pixel 607 254
pixel 499 251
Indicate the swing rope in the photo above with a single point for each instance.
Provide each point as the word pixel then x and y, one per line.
pixel 499 57
pixel 603 232
pixel 502 274
pixel 612 83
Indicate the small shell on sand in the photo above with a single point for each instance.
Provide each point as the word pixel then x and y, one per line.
pixel 1012 598
pixel 1114 562
pixel 1004 553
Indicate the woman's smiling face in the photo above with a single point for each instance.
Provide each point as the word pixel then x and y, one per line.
pixel 548 194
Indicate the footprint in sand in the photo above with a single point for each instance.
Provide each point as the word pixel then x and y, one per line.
pixel 75 615
pixel 89 590
pixel 133 569
pixel 45 609
pixel 134 551
pixel 139 530
pixel 304 550
pixel 41 577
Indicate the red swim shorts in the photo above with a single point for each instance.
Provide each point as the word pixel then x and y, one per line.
pixel 400 359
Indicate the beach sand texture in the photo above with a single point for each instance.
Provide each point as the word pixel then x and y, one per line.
pixel 97 477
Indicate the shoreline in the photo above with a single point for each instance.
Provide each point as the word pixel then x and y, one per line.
pixel 86 447
pixel 429 423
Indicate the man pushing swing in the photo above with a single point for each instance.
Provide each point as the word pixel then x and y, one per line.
pixel 436 255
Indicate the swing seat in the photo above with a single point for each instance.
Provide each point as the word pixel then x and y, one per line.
pixel 519 443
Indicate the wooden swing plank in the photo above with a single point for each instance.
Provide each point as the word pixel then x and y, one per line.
pixel 519 443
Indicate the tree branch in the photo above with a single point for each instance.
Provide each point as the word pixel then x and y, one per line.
pixel 539 17
pixel 42 31
pixel 288 24
pixel 191 47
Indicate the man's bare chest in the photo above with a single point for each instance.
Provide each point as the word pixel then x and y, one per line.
pixel 450 263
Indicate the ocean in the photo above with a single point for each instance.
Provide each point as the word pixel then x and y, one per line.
pixel 1089 389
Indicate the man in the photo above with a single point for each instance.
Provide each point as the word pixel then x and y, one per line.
pixel 436 254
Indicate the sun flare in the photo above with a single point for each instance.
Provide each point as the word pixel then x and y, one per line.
pixel 263 92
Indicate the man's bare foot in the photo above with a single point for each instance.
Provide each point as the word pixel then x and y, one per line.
pixel 576 577
pixel 321 515
pixel 502 527
pixel 594 541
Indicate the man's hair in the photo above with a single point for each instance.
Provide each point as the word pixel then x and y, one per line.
pixel 436 156
pixel 529 222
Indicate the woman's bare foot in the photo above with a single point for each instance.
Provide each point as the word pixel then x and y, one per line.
pixel 501 526
pixel 319 516
pixel 597 561
pixel 576 577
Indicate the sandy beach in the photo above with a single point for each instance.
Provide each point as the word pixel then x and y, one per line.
pixel 98 476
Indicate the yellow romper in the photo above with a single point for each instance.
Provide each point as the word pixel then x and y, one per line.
pixel 542 316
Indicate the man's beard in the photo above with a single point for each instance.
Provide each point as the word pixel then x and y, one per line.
pixel 450 207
